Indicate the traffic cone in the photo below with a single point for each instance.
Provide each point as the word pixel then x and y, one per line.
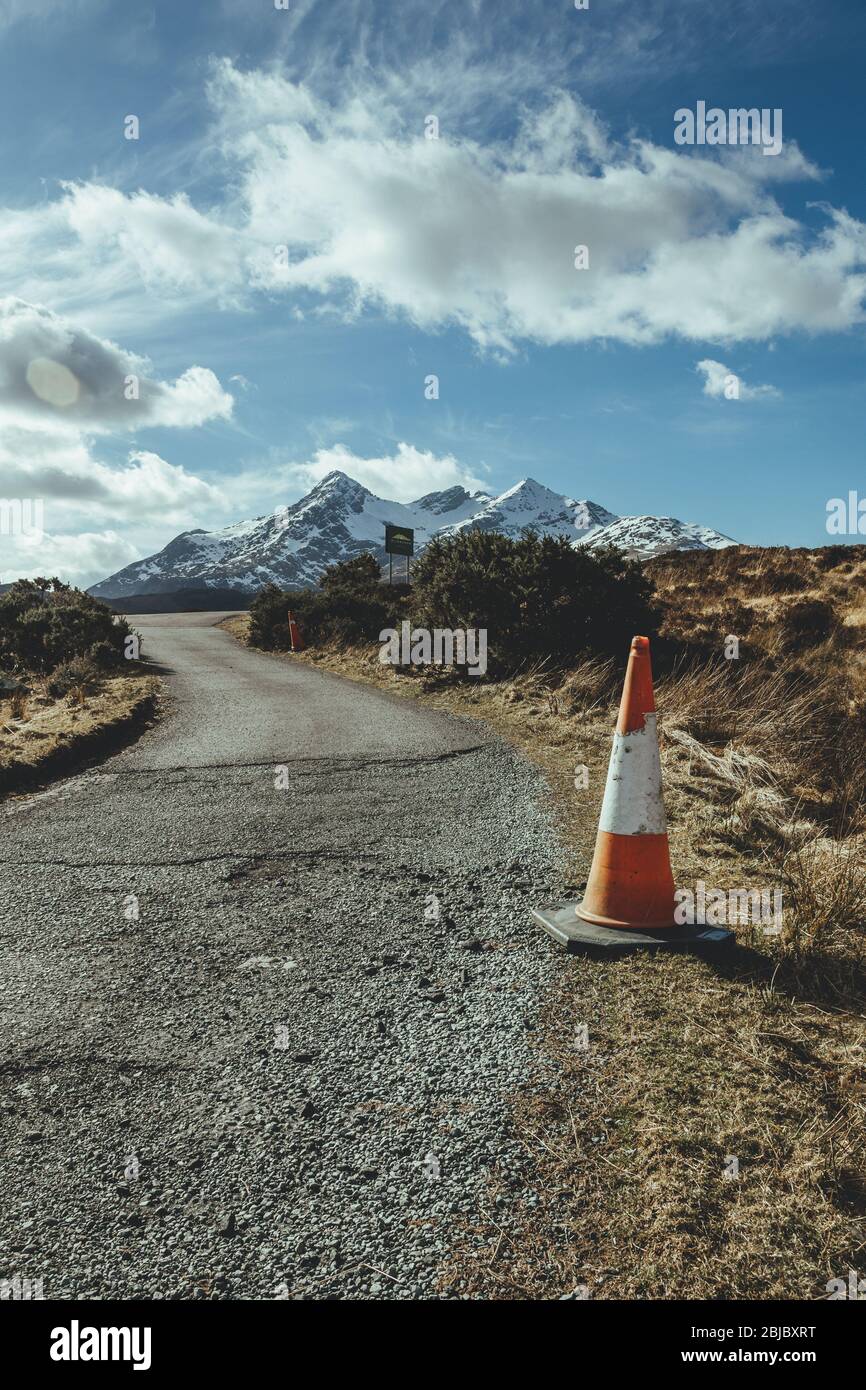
pixel 629 899
pixel 630 883
pixel 295 634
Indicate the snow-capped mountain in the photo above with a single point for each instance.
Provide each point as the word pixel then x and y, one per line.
pixel 643 537
pixel 340 518
pixel 293 545
pixel 529 503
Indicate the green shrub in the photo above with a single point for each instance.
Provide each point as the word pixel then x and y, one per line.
pixel 351 605
pixel 538 597
pixel 269 626
pixel 104 655
pixel 360 575
pixel 79 672
pixel 44 622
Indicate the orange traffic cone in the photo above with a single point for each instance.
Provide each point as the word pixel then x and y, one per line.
pixel 295 634
pixel 630 883
pixel 629 898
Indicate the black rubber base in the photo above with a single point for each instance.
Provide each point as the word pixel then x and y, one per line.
pixel 570 931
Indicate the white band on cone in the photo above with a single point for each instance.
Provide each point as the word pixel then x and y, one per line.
pixel 633 795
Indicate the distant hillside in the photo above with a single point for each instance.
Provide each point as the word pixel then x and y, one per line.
pixel 784 603
pixel 182 601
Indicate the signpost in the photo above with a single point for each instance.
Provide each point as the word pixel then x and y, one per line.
pixel 399 540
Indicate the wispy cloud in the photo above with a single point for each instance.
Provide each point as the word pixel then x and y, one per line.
pixel 40 12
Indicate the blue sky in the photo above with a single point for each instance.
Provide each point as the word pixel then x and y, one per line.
pixel 304 129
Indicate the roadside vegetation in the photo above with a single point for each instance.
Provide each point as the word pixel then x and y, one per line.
pixel 537 597
pixel 692 1063
pixel 68 689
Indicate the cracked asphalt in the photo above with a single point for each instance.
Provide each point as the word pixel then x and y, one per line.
pixel 269 979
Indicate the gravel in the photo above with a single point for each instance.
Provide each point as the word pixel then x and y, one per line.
pixel 259 1043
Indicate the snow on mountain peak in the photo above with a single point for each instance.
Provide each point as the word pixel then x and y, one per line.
pixel 340 518
pixel 645 536
pixel 337 481
pixel 439 503
pixel 531 504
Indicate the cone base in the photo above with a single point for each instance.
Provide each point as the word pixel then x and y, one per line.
pixel 596 920
pixel 563 922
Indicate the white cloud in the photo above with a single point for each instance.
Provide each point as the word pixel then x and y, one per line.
pixel 125 512
pixel 56 374
pixel 401 477
pixel 80 558
pixel 62 470
pixel 164 241
pixel 60 388
pixel 682 243
pixel 721 382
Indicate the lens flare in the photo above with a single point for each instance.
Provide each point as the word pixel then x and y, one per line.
pixel 52 382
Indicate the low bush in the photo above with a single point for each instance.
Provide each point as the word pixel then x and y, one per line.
pixel 350 606
pixel 44 623
pixel 784 581
pixel 537 597
pixel 807 623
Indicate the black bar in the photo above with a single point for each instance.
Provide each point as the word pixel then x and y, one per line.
pixel 232 1336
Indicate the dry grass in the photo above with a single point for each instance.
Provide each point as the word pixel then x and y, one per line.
pixel 18 705
pixel 761 595
pixel 38 733
pixel 238 625
pixel 825 883
pixel 624 1188
pixel 626 1155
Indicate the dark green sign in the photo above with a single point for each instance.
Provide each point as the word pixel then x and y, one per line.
pixel 399 540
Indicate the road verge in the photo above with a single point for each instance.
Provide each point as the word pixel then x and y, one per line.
pixel 42 738
pixel 702 1139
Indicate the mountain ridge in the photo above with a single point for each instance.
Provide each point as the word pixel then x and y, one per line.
pixel 340 518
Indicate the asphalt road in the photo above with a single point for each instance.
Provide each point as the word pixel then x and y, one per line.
pixel 232 706
pixel 269 980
